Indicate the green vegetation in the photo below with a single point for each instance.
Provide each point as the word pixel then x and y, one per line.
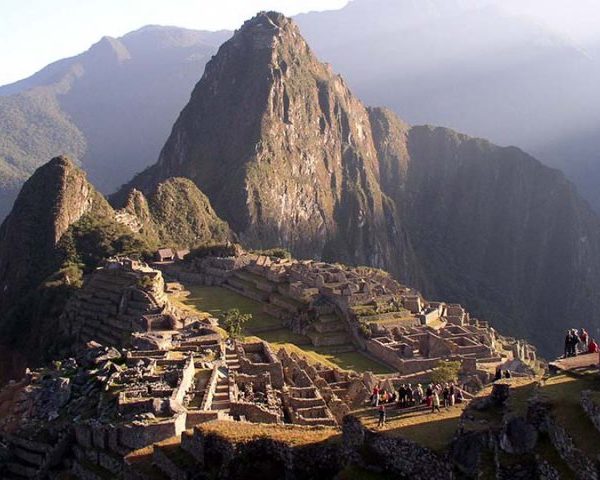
pixel 446 371
pixel 182 215
pixel 33 128
pixel 212 250
pixel 95 238
pixel 216 301
pixel 233 322
pixel 274 252
pixel 432 430
pixel 564 393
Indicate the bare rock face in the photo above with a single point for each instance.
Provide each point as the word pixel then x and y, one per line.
pixel 285 152
pixel 55 197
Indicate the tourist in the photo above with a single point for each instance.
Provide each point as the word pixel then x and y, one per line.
pixel 592 346
pixel 446 395
pixel 375 396
pixel 451 394
pixel 435 402
pixel 381 422
pixel 409 395
pixel 402 395
pixel 507 373
pixel 418 394
pixel 429 395
pixel 583 340
pixel 568 340
pixel 498 375
pixel 574 341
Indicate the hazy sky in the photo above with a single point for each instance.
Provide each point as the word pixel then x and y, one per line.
pixel 34 33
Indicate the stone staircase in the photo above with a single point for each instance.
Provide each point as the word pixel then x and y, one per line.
pixel 221 396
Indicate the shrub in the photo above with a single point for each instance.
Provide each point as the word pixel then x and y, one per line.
pixel 274 252
pixel 233 322
pixel 446 371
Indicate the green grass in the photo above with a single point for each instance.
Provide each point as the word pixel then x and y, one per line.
pixel 564 393
pixel 432 430
pixel 217 300
pixel 546 450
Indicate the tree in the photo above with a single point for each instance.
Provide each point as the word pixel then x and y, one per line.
pixel 445 371
pixel 233 322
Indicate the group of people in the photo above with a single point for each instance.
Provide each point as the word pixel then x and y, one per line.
pixel 500 373
pixel 578 342
pixel 408 396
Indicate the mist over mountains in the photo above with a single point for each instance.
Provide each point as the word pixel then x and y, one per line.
pixel 469 65
pixel 109 108
pixel 475 67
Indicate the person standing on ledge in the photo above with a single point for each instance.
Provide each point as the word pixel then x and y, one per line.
pixel 381 409
pixel 568 340
pixel 435 404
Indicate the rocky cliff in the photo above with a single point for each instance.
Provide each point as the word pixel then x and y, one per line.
pixel 57 196
pixel 285 153
pixel 288 156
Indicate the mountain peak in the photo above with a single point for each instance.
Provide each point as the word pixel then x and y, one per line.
pixel 268 21
pixel 262 31
pixel 109 48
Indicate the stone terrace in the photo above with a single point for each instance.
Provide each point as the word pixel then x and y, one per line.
pixel 334 304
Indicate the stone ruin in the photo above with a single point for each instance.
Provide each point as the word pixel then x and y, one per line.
pixel 347 307
pixel 87 412
pixel 121 297
pixel 161 372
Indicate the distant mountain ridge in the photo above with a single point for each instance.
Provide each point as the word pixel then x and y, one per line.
pixel 110 108
pixel 475 67
pixel 289 157
pixel 468 65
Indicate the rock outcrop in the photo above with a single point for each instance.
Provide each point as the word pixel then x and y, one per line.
pixel 176 213
pixel 289 157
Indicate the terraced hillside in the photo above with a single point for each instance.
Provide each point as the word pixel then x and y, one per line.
pixel 217 300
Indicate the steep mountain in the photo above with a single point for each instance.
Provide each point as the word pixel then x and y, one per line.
pixel 494 229
pixel 57 196
pixel 474 66
pixel 284 152
pixel 60 229
pixel 36 276
pixel 288 156
pixel 110 108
